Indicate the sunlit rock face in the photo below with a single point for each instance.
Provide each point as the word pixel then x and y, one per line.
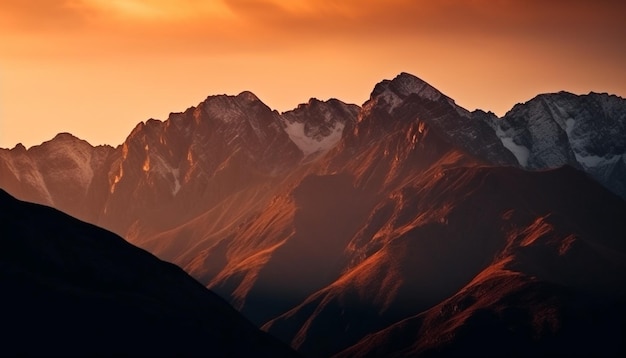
pixel 177 169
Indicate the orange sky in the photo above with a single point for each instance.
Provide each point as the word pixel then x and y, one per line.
pixel 95 68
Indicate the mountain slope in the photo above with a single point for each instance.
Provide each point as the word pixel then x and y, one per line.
pixel 553 289
pixel 431 239
pixel 72 288
pixel 522 317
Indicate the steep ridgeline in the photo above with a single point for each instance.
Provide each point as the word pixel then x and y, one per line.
pixel 167 173
pixel 65 172
pixel 409 215
pixel 70 288
pixel 316 127
pixel 541 256
pixel 551 130
pixel 586 132
pixel 410 98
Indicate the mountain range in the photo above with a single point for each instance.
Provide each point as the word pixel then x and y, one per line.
pixel 405 226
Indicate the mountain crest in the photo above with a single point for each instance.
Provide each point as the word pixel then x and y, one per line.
pixel 393 92
pixel 248 96
pixel 317 126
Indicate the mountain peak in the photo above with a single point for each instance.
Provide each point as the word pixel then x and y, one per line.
pixel 395 91
pixel 19 147
pixel 66 137
pixel 248 96
pixel 243 98
pixel 406 84
pixel 317 126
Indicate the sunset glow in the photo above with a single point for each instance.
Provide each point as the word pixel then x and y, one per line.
pixel 95 68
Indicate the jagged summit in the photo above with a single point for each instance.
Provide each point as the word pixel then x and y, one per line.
pixel 405 84
pixel 584 131
pixel 393 92
pixel 547 131
pixel 65 136
pixel 19 147
pixel 317 126
pixel 229 108
pixel 248 96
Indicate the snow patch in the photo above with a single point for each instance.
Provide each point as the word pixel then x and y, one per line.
pixel 394 92
pixel 591 161
pixel 392 99
pixel 308 145
pixel 176 174
pixel 256 128
pixel 520 152
pixel 569 126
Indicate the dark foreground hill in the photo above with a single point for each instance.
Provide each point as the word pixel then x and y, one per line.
pixel 69 287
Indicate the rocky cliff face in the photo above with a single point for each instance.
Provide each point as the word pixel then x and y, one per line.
pixel 558 129
pixel 194 160
pixel 65 172
pixel 416 100
pixel 316 127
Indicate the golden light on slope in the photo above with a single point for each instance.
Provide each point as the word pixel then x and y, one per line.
pixel 97 67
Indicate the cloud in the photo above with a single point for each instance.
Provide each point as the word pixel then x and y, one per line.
pixel 309 16
pixel 219 26
pixel 37 16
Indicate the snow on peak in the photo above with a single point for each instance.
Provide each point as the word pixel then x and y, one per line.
pixel 227 108
pixel 395 91
pixel 317 126
pixel 406 84
pixel 592 161
pixel 309 145
pixel 520 152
